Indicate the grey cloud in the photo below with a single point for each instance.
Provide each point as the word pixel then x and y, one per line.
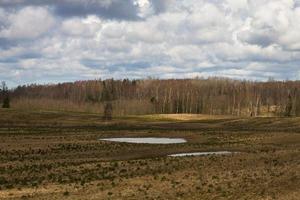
pixel 260 39
pixel 137 65
pixel 160 5
pixel 9 60
pixel 121 9
pixel 263 37
pixel 111 9
pixel 29 54
pixel 101 64
pixel 297 3
pixel 92 63
pixel 6 44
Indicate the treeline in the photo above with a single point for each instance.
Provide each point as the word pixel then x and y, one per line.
pixel 215 96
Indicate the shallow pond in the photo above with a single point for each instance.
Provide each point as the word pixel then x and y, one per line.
pixel 147 140
pixel 201 153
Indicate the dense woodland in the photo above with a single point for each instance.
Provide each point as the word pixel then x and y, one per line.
pixel 215 96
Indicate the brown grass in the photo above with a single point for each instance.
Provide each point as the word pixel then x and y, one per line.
pixel 57 155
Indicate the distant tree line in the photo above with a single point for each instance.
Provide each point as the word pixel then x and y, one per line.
pixel 215 96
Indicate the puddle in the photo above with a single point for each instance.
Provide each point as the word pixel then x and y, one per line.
pixel 147 140
pixel 201 153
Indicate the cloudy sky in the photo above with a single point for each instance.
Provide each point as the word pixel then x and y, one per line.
pixel 47 41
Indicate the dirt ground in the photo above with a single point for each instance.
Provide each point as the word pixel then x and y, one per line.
pixel 58 155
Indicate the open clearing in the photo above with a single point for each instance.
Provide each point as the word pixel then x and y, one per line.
pixel 58 155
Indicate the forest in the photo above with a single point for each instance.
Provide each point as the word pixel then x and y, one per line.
pixel 213 96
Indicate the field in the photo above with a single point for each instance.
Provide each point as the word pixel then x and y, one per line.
pixel 58 155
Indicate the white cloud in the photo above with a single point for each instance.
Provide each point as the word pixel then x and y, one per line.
pixel 233 38
pixel 81 27
pixel 236 5
pixel 28 23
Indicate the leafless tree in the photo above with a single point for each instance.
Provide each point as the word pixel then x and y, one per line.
pixel 202 96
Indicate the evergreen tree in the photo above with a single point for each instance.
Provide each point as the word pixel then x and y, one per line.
pixel 6 102
pixel 5 96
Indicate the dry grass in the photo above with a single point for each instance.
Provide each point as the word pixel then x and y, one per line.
pixel 57 155
pixel 183 117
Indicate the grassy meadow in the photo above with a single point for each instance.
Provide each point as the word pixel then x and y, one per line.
pixel 58 155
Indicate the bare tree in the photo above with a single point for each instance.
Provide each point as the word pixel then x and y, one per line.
pixel 289 106
pixel 203 96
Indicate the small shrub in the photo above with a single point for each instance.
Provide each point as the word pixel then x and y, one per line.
pixel 110 193
pixel 6 102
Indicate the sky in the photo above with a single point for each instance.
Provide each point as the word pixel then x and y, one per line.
pixel 50 41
